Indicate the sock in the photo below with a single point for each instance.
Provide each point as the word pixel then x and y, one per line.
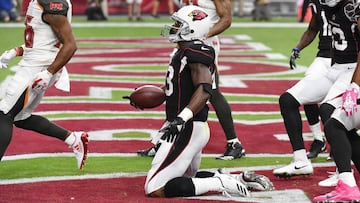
pixel 71 139
pixel 234 140
pixel 316 131
pixel 348 178
pixel 204 185
pixel 300 155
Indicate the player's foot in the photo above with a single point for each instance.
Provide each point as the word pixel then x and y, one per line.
pixel 316 148
pixel 80 148
pixel 231 186
pixel 330 157
pixel 149 152
pixel 331 181
pixel 255 181
pixel 295 168
pixel 234 150
pixel 342 193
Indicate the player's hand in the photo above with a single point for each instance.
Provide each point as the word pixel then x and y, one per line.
pixel 6 57
pixel 172 130
pixel 132 103
pixel 42 81
pixel 295 53
pixel 349 99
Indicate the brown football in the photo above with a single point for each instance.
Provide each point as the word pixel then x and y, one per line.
pixel 148 96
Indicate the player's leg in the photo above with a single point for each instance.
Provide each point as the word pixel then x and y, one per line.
pixel 234 148
pixel 303 92
pixel 336 131
pixel 312 115
pixel 173 168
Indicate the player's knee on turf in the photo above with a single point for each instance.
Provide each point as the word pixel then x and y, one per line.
pixel 179 187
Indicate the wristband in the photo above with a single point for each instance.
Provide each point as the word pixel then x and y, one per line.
pixel 186 114
pixel 19 51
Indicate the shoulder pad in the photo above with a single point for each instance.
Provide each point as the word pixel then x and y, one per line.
pixel 56 7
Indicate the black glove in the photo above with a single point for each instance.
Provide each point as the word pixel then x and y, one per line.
pixel 132 103
pixel 172 130
pixel 295 53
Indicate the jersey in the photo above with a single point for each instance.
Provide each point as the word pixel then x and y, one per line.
pixel 345 33
pixel 207 5
pixel 179 85
pixel 324 35
pixel 41 44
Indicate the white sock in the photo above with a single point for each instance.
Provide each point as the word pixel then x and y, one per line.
pixel 234 140
pixel 348 178
pixel 70 140
pixel 317 132
pixel 300 155
pixel 204 185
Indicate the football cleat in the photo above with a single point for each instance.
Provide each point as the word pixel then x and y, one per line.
pixel 231 186
pixel 255 181
pixel 80 148
pixel 295 168
pixel 342 193
pixel 331 181
pixel 234 150
pixel 149 152
pixel 316 148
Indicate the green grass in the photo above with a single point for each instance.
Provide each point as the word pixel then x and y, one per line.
pixel 281 40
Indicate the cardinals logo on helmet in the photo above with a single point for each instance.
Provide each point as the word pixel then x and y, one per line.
pixel 197 15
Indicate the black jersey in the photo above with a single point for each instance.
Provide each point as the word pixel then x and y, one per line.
pixel 345 34
pixel 325 38
pixel 179 85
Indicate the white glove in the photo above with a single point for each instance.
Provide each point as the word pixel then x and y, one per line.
pixel 6 57
pixel 42 81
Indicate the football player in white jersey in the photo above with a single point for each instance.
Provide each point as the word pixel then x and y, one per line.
pixel 49 45
pixel 219 12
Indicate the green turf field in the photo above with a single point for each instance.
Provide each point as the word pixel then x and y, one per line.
pixel 279 39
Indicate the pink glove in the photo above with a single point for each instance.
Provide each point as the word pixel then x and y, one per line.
pixel 349 99
pixel 42 81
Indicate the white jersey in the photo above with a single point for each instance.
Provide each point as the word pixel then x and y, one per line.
pixel 41 44
pixel 207 5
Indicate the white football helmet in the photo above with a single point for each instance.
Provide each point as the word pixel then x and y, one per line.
pixel 191 23
pixel 330 3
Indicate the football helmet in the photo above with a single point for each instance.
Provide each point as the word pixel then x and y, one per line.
pixel 191 23
pixel 352 11
pixel 330 3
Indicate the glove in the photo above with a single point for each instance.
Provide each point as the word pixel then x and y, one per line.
pixel 42 81
pixel 172 130
pixel 132 103
pixel 349 99
pixel 255 181
pixel 6 57
pixel 295 53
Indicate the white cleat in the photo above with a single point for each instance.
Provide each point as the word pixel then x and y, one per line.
pixel 231 186
pixel 80 148
pixel 331 181
pixel 295 168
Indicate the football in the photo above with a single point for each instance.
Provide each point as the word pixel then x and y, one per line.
pixel 148 96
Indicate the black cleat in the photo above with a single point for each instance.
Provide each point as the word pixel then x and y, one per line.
pixel 234 150
pixel 316 148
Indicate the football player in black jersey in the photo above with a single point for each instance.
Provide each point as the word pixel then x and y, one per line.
pixel 220 12
pixel 185 132
pixel 340 128
pixel 304 93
